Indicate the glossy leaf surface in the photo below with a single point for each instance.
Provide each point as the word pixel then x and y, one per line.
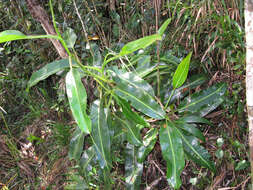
pixel 76 145
pixel 77 100
pixel 148 144
pixel 164 26
pixel 133 169
pixel 139 92
pixel 173 154
pixel 139 44
pixel 182 71
pixel 195 119
pixel 196 152
pixel 69 37
pixel 129 114
pixel 87 161
pixel 191 129
pixel 205 101
pixel 48 70
pixel 133 132
pixel 101 135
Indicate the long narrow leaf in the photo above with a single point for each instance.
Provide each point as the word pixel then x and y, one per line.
pixel 48 70
pixel 204 101
pixel 173 154
pixel 181 72
pixel 164 26
pixel 138 92
pixel 139 44
pixel 129 114
pixel 148 144
pixel 78 99
pixel 101 135
pixel 76 145
pixel 196 152
pixel 133 169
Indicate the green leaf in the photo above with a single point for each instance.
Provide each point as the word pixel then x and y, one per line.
pixel 129 114
pixel 133 132
pixel 69 37
pixel 48 70
pixel 182 71
pixel 190 128
pixel 182 91
pixel 77 100
pixel 101 135
pixel 139 44
pixel 164 26
pixel 173 154
pixel 196 152
pixel 76 145
pixel 205 101
pixel 195 119
pixel 133 169
pixel 132 88
pixel 148 144
pixel 144 66
pixel 10 35
pixel 87 161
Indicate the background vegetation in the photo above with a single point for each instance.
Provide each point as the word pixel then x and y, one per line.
pixel 37 127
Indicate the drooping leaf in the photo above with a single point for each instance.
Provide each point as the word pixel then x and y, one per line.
pixel 148 144
pixel 164 26
pixel 139 44
pixel 76 145
pixel 182 71
pixel 133 132
pixel 129 114
pixel 173 154
pixel 133 169
pixel 196 152
pixel 69 37
pixel 101 135
pixel 48 70
pixel 205 101
pixel 132 88
pixel 77 100
pixel 190 128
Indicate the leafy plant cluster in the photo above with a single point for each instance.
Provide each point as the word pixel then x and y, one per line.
pixel 126 103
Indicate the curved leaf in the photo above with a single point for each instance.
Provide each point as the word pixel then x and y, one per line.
pixel 196 152
pixel 47 70
pixel 77 100
pixel 133 169
pixel 182 71
pixel 204 101
pixel 87 160
pixel 139 44
pixel 190 128
pixel 101 135
pixel 148 144
pixel 133 88
pixel 76 145
pixel 133 133
pixel 173 154
pixel 195 119
pixel 129 114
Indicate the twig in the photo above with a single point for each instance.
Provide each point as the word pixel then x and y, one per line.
pixel 154 183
